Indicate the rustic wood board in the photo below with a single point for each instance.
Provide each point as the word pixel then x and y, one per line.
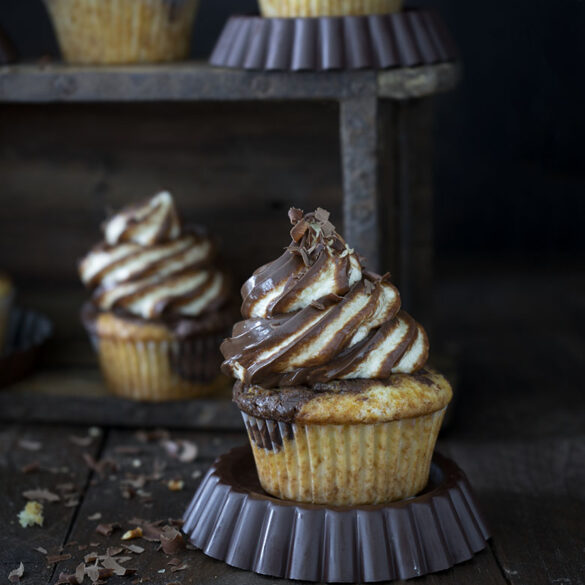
pixel 200 82
pixel 60 462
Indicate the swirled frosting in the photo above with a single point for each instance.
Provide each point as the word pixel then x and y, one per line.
pixel 315 315
pixel 150 267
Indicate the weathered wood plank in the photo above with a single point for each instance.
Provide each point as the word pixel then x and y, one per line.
pixel 532 496
pixel 196 82
pixel 361 197
pixel 416 82
pixel 17 405
pixel 234 168
pixel 56 461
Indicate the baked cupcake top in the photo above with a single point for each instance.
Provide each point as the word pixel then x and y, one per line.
pixel 150 267
pixel 315 315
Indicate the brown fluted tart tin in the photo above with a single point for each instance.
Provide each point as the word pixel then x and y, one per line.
pixel 232 519
pixel 28 331
pixel 383 41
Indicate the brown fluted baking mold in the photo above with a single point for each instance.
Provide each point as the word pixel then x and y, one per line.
pixel 384 41
pixel 232 519
pixel 27 333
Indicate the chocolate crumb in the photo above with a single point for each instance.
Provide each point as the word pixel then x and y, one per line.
pixel 107 529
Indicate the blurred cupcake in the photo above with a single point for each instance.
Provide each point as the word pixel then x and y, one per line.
pixel 304 8
pixel 123 31
pixel 159 307
pixel 331 378
pixel 6 297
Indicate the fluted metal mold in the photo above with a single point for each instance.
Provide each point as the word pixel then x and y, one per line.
pixel 382 41
pixel 232 519
pixel 27 332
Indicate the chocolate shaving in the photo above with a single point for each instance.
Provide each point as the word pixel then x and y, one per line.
pixel 96 574
pixel 369 286
pixel 96 516
pixel 41 550
pixel 171 540
pixel 295 214
pixel 133 548
pixel 81 441
pixel 30 467
pixel 54 559
pixel 107 529
pixel 100 467
pixel 80 573
pixel 15 575
pixel 305 257
pixel 180 567
pixel 41 494
pixel 66 578
pixel 322 215
pixel 110 563
pixel 29 444
pixel 134 481
pixel 298 231
pixel 184 451
pixel 112 551
pixel 151 533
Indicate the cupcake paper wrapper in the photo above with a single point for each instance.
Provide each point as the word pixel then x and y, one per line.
pixel 160 370
pixel 304 8
pixel 344 464
pixel 123 31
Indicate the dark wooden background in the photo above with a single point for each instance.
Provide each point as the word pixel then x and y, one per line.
pixel 509 172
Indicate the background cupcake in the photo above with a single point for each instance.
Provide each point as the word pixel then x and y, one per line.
pixel 303 8
pixel 159 305
pixel 123 31
pixel 331 376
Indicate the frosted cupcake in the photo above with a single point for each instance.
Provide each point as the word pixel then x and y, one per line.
pixel 310 8
pixel 123 31
pixel 330 376
pixel 159 306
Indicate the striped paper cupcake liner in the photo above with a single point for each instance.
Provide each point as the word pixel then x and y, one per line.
pixel 344 465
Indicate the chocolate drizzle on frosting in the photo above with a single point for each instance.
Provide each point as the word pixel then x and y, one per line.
pixel 149 267
pixel 315 315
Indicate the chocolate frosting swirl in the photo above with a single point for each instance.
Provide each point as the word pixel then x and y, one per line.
pixel 148 266
pixel 315 315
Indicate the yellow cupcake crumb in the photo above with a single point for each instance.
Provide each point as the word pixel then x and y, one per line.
pixel 31 514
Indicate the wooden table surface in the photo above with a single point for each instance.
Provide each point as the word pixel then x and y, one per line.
pixel 518 431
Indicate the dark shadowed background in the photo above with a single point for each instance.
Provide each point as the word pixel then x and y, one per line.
pixel 509 169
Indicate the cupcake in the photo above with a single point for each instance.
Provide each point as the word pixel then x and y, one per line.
pixel 6 296
pixel 123 31
pixel 159 306
pixel 304 8
pixel 330 374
